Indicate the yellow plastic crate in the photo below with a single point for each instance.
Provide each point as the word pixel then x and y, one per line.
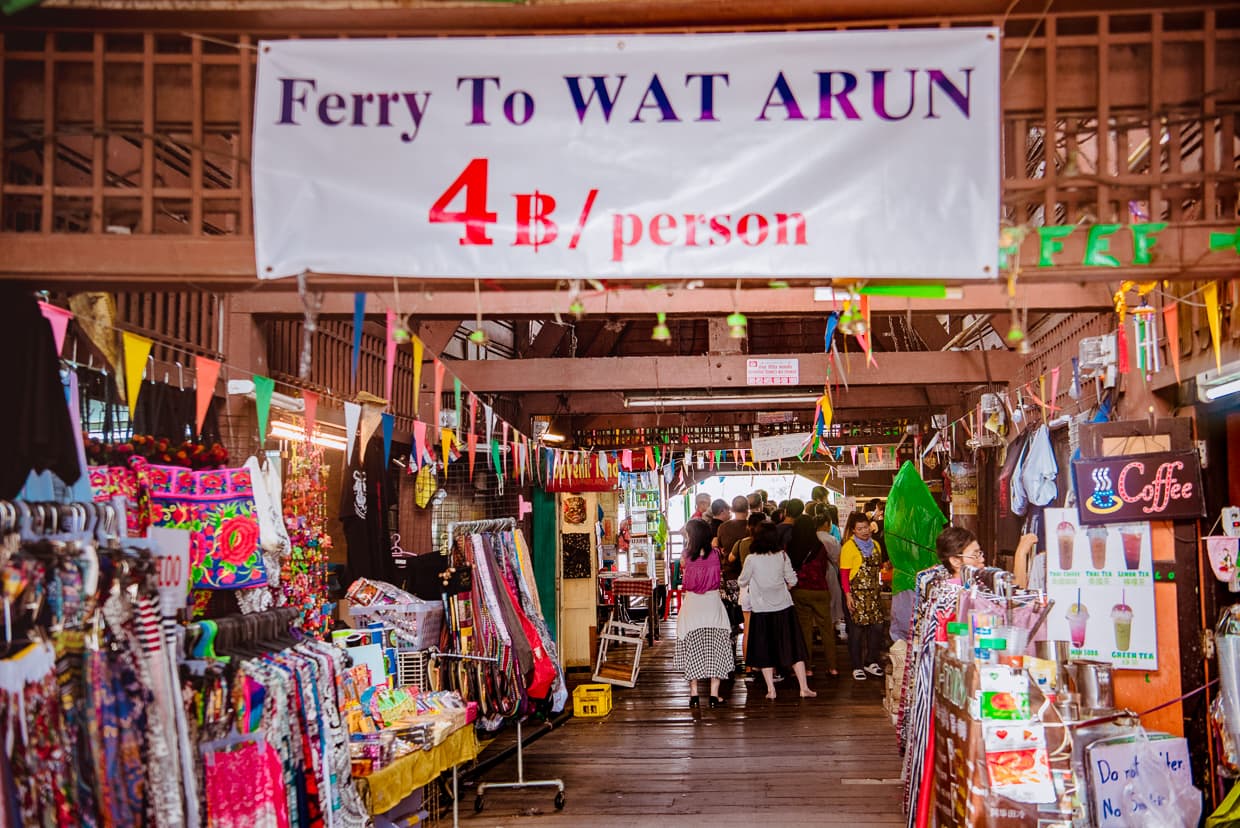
pixel 592 700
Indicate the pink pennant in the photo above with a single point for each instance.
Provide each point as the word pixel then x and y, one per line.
pixel 311 413
pixel 504 451
pixel 419 442
pixel 58 318
pixel 626 459
pixel 1054 385
pixel 390 366
pixel 853 450
pixel 472 440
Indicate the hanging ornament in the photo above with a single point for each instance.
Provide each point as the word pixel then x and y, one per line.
pixel 661 332
pixel 737 325
pixel 478 336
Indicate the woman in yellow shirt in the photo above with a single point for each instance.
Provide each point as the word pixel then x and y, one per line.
pixel 861 564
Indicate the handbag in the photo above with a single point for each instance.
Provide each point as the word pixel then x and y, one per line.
pixel 217 508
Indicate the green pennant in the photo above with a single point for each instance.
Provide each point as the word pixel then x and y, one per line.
pixel 456 390
pixel 263 389
pixel 495 456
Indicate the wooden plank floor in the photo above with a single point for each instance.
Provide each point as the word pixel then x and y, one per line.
pixel 792 762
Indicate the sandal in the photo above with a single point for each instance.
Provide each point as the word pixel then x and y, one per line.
pixel 859 675
pixel 694 702
pixel 716 701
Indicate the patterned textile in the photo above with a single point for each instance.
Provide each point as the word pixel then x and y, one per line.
pixel 107 482
pixel 217 507
pixel 704 653
pixel 245 789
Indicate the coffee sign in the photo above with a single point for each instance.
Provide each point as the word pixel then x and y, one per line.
pixel 1142 487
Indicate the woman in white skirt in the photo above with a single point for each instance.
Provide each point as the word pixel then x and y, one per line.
pixel 703 632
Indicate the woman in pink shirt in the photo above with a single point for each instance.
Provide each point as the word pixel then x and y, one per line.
pixel 703 632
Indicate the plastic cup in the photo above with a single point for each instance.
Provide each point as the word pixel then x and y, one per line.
pixel 1132 548
pixel 1121 617
pixel 1097 546
pixel 1078 619
pixel 1067 542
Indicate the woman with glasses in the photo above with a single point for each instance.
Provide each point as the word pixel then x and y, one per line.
pixel 861 566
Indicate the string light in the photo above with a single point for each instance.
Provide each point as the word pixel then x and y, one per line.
pixel 661 333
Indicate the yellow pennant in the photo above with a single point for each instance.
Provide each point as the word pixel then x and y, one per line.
pixel 1210 294
pixel 417 374
pixel 137 349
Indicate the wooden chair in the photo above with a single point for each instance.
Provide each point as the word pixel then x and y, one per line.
pixel 620 653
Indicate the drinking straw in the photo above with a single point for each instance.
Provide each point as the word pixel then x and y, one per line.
pixel 1078 599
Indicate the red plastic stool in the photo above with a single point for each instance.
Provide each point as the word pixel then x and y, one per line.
pixel 673 597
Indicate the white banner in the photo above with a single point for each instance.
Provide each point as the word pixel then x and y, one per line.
pixel 780 446
pixel 861 154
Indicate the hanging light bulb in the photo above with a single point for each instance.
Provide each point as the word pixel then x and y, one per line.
pixel 478 336
pixel 736 325
pixel 661 332
pixel 577 309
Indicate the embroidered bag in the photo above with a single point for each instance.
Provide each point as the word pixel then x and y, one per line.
pixel 128 484
pixel 217 507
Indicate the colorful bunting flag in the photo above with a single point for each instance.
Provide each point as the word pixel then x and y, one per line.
pixel 419 442
pixel 264 387
pixel 352 417
pixel 1210 295
pixel 311 401
pixel 58 318
pixel 439 372
pixel 206 374
pixel 359 317
pixel 1171 322
pixel 417 374
pixel 390 356
pixel 389 428
pixel 137 349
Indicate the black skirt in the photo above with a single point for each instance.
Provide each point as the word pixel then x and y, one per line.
pixel 775 639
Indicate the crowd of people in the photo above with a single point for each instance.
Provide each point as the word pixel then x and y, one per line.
pixel 771 574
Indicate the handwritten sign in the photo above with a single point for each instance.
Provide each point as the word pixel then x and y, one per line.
pixel 1164 486
pixel 772 372
pixel 779 446
pixel 1113 764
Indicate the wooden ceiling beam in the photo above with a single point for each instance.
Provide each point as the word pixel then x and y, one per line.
pixel 604 410
pixel 673 374
pixel 226 263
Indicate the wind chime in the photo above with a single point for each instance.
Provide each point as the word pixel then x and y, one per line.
pixel 1145 337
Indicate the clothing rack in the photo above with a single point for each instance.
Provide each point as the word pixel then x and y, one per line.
pixel 470 527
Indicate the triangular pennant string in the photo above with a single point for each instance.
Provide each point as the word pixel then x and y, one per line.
pixel 1210 295
pixel 439 370
pixel 456 397
pixel 389 365
pixel 352 417
pixel 419 440
pixel 311 412
pixel 418 349
pixel 389 428
pixel 1171 322
pixel 58 318
pixel 472 439
pixel 264 387
pixel 359 316
pixel 137 349
pixel 206 374
pixel 1054 386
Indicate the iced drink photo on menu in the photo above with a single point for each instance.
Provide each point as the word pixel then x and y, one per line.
pixel 1067 540
pixel 1131 536
pixel 1121 616
pixel 1097 546
pixel 1078 619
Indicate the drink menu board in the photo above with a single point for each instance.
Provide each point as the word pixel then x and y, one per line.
pixel 1102 581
